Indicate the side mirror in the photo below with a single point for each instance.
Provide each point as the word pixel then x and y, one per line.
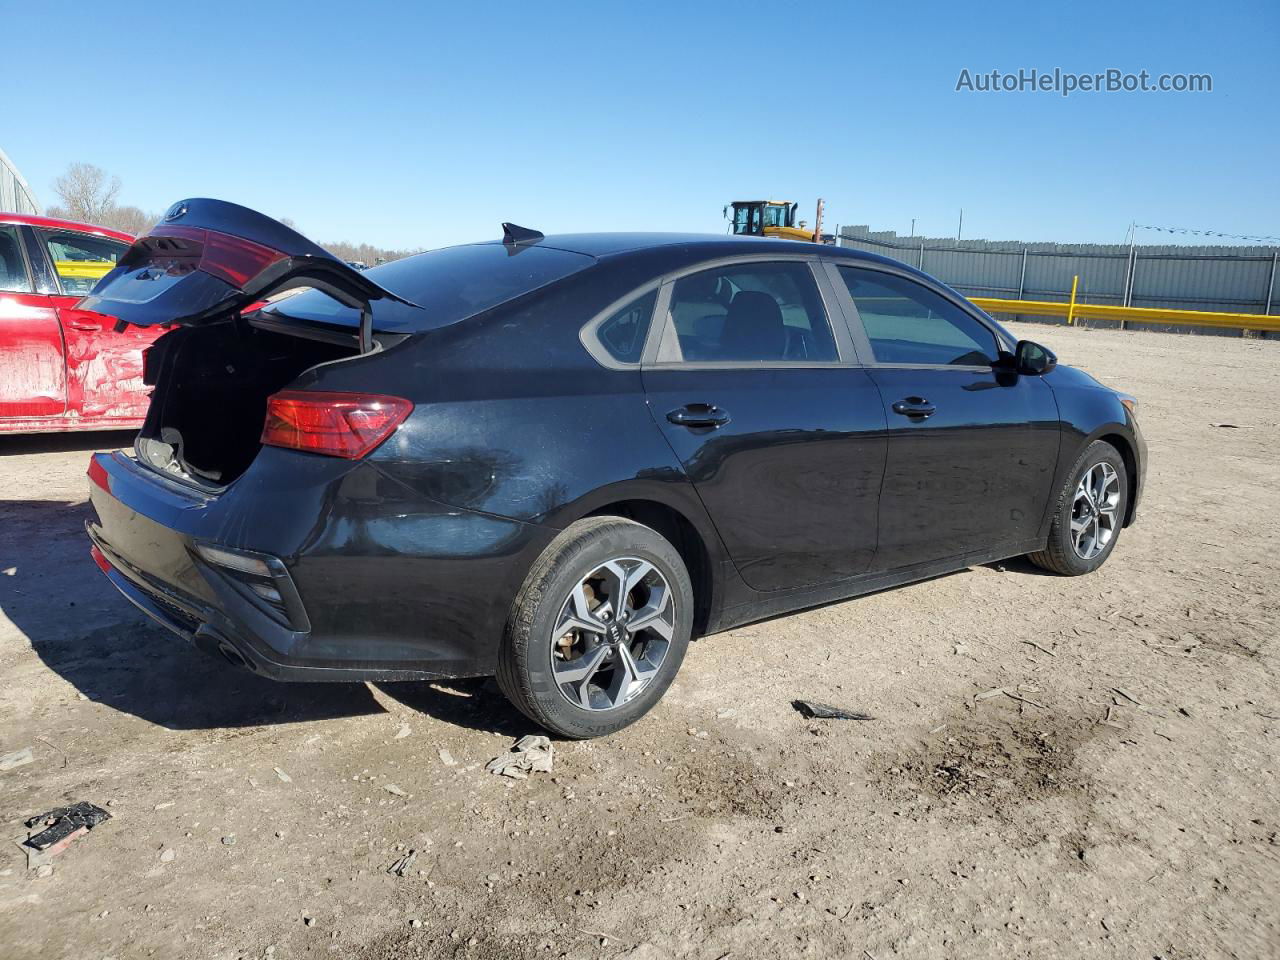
pixel 1032 359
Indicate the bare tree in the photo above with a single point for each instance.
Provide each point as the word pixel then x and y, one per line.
pixel 86 191
pixel 89 195
pixel 130 220
pixel 365 253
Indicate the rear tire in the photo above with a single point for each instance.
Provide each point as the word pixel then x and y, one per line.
pixel 567 661
pixel 1088 513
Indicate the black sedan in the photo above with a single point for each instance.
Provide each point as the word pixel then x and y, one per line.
pixel 558 458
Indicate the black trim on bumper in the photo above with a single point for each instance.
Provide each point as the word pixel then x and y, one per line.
pixel 212 632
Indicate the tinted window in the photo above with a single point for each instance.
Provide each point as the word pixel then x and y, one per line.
pixel 13 269
pixel 81 260
pixel 450 284
pixel 623 333
pixel 909 323
pixel 751 312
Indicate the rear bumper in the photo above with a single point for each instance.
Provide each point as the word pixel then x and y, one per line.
pixel 374 601
pixel 214 632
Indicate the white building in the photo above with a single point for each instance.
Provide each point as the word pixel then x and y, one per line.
pixel 15 194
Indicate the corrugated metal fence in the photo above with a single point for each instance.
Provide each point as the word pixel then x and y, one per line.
pixel 1232 279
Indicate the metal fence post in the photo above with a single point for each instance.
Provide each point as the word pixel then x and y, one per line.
pixel 1071 310
pixel 920 265
pixel 1022 277
pixel 1271 284
pixel 1130 268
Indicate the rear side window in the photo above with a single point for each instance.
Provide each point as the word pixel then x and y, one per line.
pixel 81 260
pixel 623 334
pixel 13 268
pixel 450 284
pixel 910 324
pixel 751 313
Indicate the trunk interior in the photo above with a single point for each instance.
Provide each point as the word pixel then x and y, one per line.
pixel 210 398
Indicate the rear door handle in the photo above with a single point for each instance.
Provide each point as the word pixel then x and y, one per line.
pixel 916 408
pixel 699 415
pixel 87 327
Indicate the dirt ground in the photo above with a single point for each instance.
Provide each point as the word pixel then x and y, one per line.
pixel 1119 800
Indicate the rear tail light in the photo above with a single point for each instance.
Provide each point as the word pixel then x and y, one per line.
pixel 233 259
pixel 335 424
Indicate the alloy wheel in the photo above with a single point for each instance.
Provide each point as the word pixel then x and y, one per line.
pixel 613 633
pixel 1094 519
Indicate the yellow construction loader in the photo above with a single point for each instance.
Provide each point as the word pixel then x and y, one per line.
pixel 769 218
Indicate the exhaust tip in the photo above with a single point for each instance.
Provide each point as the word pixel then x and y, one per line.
pixel 235 657
pixel 210 641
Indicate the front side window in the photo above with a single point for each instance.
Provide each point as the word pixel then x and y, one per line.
pixel 908 323
pixel 622 334
pixel 81 260
pixel 751 313
pixel 13 269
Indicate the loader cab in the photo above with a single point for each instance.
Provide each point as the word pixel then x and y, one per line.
pixel 757 218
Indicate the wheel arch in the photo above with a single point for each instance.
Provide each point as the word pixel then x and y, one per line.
pixel 683 534
pixel 1125 449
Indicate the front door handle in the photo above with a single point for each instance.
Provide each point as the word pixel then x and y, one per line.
pixel 915 408
pixel 699 415
pixel 85 326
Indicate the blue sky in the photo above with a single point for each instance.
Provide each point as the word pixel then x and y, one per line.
pixel 410 125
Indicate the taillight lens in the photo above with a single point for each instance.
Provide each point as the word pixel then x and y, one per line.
pixel 233 259
pixel 335 424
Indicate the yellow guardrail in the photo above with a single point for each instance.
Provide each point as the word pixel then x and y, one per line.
pixel 1075 310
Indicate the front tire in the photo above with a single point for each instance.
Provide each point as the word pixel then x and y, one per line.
pixel 598 630
pixel 1088 513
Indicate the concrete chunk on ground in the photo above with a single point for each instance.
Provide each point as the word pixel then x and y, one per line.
pixel 530 754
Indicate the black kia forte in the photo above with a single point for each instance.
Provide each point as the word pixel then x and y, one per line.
pixel 557 459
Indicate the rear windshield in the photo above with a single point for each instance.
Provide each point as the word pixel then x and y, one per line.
pixel 449 284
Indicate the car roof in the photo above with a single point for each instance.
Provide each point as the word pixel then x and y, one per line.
pixel 703 246
pixel 697 246
pixel 57 224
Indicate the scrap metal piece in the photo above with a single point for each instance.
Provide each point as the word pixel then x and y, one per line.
pixel 822 711
pixel 61 822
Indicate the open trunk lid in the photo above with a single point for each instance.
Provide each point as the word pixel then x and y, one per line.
pixel 209 259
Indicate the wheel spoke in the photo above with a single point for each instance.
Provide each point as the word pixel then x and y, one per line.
pixel 577 674
pixel 654 615
pixel 1087 493
pixel 622 579
pixel 1079 527
pixel 578 614
pixel 629 677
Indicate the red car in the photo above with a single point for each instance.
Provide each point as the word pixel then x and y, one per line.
pixel 63 368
